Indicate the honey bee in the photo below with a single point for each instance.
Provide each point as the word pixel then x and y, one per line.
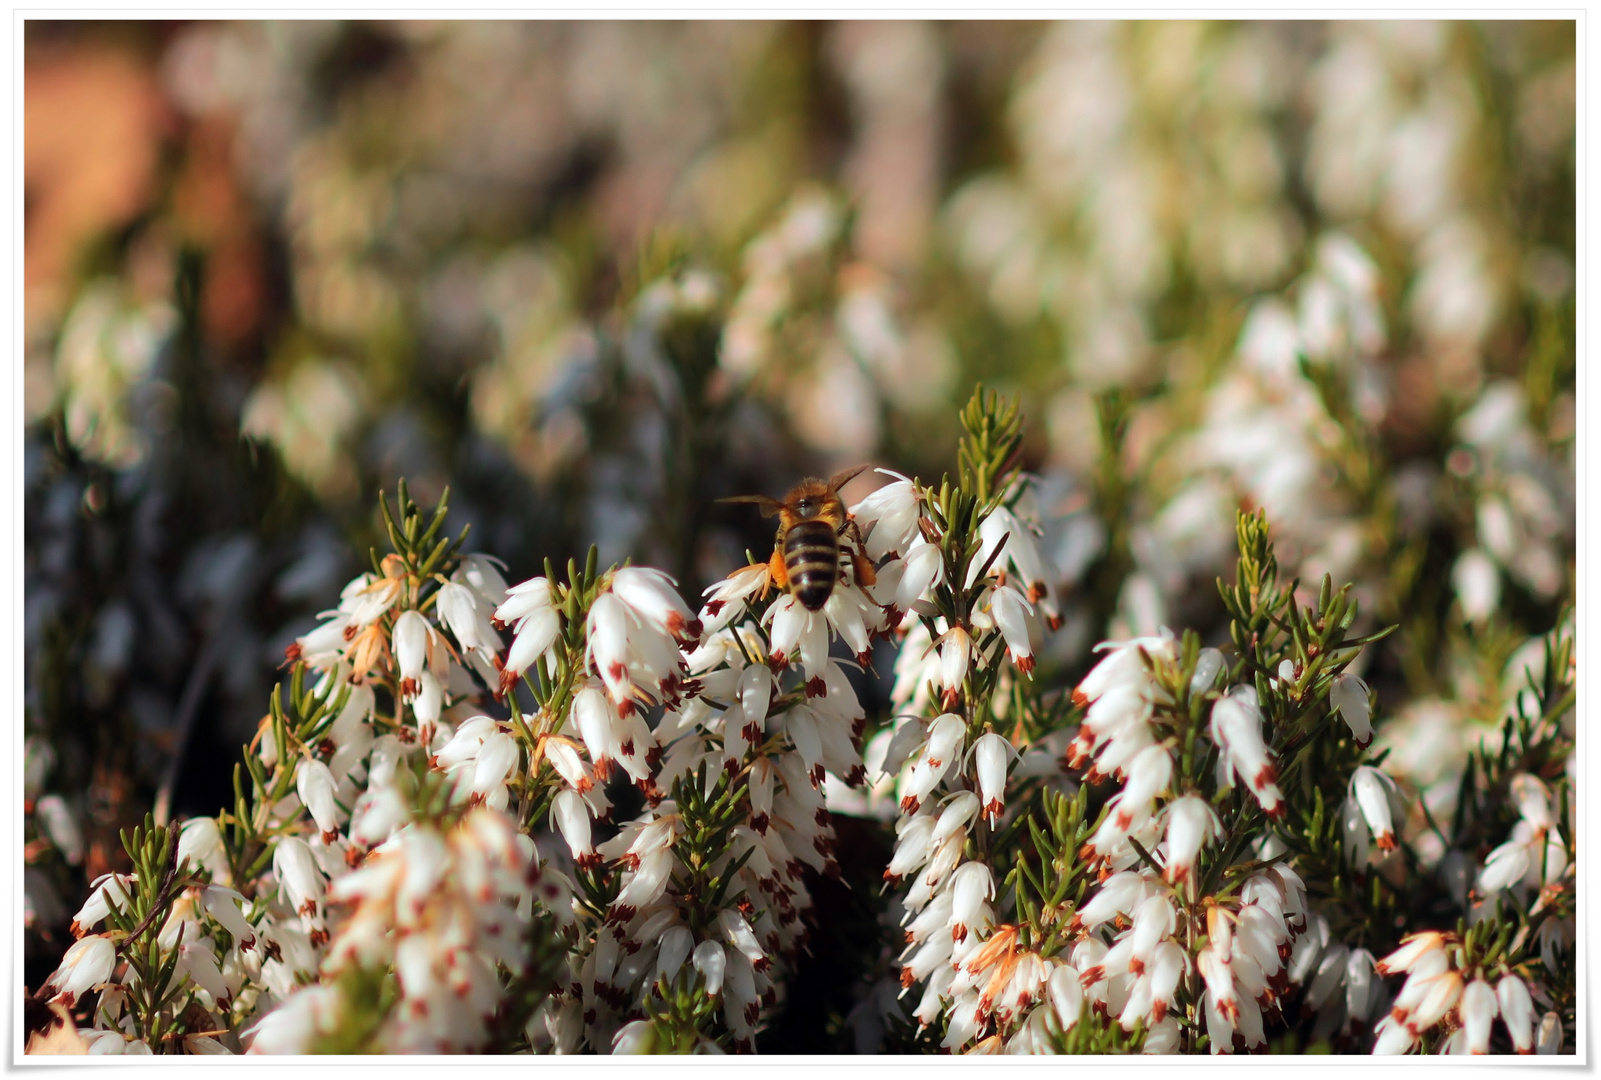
pixel 812 519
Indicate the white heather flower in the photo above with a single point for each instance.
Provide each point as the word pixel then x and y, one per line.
pixel 727 597
pixel 1066 994
pixel 563 757
pixel 1517 1012
pixel 598 725
pixel 222 904
pixel 410 638
pixel 1359 988
pixel 1477 1010
pixel 924 570
pixel 652 597
pixel 890 515
pixel 1208 665
pixel 798 634
pixel 1416 949
pixel 1393 1037
pixel 1191 823
pixel 109 890
pixel 478 572
pixel 1438 996
pixel 710 960
pixel 1349 695
pixel 367 598
pixel 201 844
pixel 465 614
pixel 1371 790
pixel 198 961
pixel 673 950
pixel 87 963
pixel 940 750
pixel 296 869
pixel 635 1037
pixel 1477 582
pixel 1011 613
pixel 316 787
pixel 959 810
pixel 293 1026
pixel 913 845
pixel 1504 867
pixel 608 646
pixel 1550 1036
pixel 1533 799
pixel 1019 550
pixel 971 886
pixel 1237 730
pixel 991 756
pixel 955 658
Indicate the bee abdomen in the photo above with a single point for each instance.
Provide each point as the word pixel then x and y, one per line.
pixel 811 556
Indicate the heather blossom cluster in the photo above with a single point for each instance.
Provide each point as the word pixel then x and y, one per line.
pixel 578 815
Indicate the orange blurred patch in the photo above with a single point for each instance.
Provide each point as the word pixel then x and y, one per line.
pixel 93 120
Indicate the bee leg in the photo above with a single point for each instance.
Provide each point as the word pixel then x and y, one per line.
pixel 865 574
pixel 777 573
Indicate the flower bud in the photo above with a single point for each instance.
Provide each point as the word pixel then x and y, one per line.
pixel 1550 1037
pixel 1349 695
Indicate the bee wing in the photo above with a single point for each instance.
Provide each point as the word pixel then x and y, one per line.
pixel 769 506
pixel 840 479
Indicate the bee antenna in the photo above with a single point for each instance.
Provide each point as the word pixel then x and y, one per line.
pixel 840 479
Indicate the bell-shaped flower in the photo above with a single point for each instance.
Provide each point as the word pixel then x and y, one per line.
pixel 652 597
pixel 726 598
pixel 1371 791
pixel 571 817
pixel 1191 823
pixel 1517 1012
pixel 1533 799
pixel 889 515
pixel 798 634
pixel 955 659
pixel 673 950
pixel 1066 994
pixel 597 722
pixel 1237 730
pixel 1349 695
pixel 972 886
pixel 316 786
pixel 710 960
pixel 1013 617
pixel 924 571
pixel 1477 1010
pixel 1394 1037
pixel 1416 950
pixel 296 869
pixel 992 755
pixel 1549 1038
pixel 1208 665
pixel 88 962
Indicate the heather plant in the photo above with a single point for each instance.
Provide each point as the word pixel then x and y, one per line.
pixel 598 836
pixel 1206 685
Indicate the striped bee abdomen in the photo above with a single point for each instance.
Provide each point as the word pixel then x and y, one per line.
pixel 811 556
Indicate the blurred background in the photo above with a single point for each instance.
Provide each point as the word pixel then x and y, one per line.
pixel 595 276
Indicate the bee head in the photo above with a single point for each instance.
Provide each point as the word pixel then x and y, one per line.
pixel 814 500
